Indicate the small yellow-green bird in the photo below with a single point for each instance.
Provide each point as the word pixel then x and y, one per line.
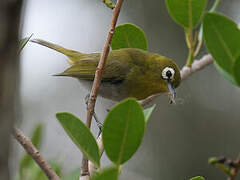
pixel 128 72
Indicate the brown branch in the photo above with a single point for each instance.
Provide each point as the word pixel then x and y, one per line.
pixel 186 71
pixel 197 65
pixel 236 169
pixel 35 154
pixel 98 78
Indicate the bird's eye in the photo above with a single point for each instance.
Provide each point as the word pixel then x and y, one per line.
pixel 168 73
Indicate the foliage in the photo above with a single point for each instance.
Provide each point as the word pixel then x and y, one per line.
pixel 109 173
pixel 129 36
pixel 124 126
pixel 147 112
pixel 80 135
pixel 223 44
pixel 23 43
pixel 197 178
pixel 187 13
pixel 123 130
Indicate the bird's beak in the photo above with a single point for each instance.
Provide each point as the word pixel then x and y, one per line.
pixel 172 91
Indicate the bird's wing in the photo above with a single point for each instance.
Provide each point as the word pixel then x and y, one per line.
pixel 114 70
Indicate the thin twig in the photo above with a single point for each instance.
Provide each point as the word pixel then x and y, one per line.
pixel 97 80
pixel 236 169
pixel 198 47
pixel 35 154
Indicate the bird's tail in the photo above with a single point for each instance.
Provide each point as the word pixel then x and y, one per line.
pixel 68 52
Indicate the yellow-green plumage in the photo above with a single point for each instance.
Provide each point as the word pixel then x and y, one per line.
pixel 128 72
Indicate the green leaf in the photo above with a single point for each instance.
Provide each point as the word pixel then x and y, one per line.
pixel 109 4
pixel 37 136
pixel 222 38
pixel 187 13
pixel 225 74
pixel 129 36
pixel 223 167
pixel 35 172
pixel 123 130
pixel 23 42
pixel 80 135
pixel 197 178
pixel 36 140
pixel 56 167
pixel 147 112
pixel 236 71
pixel 110 173
pixel 74 175
pixel 213 9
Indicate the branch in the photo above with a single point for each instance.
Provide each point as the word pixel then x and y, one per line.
pixel 97 80
pixel 197 65
pixel 186 71
pixel 35 154
pixel 236 169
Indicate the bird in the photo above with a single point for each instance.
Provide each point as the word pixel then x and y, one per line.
pixel 128 72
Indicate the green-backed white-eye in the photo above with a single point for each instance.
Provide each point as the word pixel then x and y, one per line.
pixel 128 72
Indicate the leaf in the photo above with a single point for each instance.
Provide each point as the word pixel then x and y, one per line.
pixel 23 42
pixel 123 130
pixel 36 140
pixel 222 38
pixel 129 36
pixel 225 74
pixel 56 167
pixel 236 70
pixel 109 4
pixel 80 135
pixel 37 136
pixel 35 172
pixel 213 9
pixel 220 165
pixel 147 112
pixel 74 175
pixel 110 173
pixel 187 13
pixel 197 178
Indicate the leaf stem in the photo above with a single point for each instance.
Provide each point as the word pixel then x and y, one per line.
pixel 190 58
pixel 199 45
pixel 215 5
pixel 191 43
pixel 189 37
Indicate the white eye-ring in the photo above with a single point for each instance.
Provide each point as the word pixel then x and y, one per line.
pixel 168 73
